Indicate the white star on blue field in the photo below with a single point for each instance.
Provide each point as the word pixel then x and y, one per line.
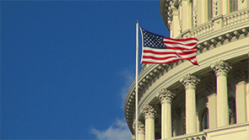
pixel 66 66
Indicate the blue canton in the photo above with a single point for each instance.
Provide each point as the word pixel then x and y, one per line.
pixel 153 40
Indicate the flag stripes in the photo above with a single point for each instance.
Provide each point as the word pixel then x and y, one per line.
pixel 163 50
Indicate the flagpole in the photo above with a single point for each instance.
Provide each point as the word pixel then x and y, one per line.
pixel 137 26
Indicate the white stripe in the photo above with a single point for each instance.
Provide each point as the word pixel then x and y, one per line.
pixel 183 42
pixel 188 55
pixel 168 55
pixel 166 50
pixel 159 61
pixel 159 56
pixel 179 45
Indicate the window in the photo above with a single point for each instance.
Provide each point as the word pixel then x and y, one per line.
pixel 232 110
pixel 205 120
pixel 233 5
pixel 210 9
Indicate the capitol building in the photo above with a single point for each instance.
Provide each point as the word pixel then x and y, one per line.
pixel 181 101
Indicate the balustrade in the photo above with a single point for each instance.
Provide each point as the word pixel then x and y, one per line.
pixel 228 20
pixel 235 17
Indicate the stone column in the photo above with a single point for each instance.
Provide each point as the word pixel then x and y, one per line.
pixel 176 119
pixel 190 82
pixel 175 22
pixel 247 102
pixel 186 15
pixel 240 95
pixel 212 113
pixel 166 97
pixel 225 7
pixel 201 105
pixel 221 69
pixel 149 114
pixel 141 131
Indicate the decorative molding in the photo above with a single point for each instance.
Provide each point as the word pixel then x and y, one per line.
pixel 189 81
pixel 165 96
pixel 149 111
pixel 221 68
pixel 216 6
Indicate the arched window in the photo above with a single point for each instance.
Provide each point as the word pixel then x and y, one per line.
pixel 232 110
pixel 233 6
pixel 210 9
pixel 205 120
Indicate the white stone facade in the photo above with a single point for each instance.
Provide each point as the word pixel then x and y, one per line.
pixel 208 102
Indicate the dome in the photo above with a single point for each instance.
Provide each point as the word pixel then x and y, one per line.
pixel 208 101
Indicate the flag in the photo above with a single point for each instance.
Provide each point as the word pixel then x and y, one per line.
pixel 158 49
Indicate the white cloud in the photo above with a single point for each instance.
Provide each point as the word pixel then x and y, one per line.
pixel 119 129
pixel 128 76
pixel 116 131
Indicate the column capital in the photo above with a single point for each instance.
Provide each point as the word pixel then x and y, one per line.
pixel 165 96
pixel 141 128
pixel 189 81
pixel 149 111
pixel 240 75
pixel 221 68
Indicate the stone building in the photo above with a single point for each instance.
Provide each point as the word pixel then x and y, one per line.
pixel 208 102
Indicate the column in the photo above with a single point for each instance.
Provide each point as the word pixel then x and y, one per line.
pixel 166 97
pixel 190 82
pixel 221 69
pixel 186 15
pixel 176 120
pixel 175 23
pixel 240 95
pixel 247 102
pixel 211 105
pixel 141 131
pixel 225 7
pixel 198 122
pixel 201 105
pixel 149 114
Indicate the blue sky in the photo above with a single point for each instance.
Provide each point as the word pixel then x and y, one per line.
pixel 67 65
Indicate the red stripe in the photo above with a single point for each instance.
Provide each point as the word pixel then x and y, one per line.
pixel 183 39
pixel 177 59
pixel 158 58
pixel 180 48
pixel 149 62
pixel 189 44
pixel 154 52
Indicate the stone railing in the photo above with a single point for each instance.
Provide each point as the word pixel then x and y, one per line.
pixel 235 17
pixel 208 27
pixel 202 29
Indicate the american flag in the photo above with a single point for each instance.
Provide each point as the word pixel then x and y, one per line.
pixel 158 49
